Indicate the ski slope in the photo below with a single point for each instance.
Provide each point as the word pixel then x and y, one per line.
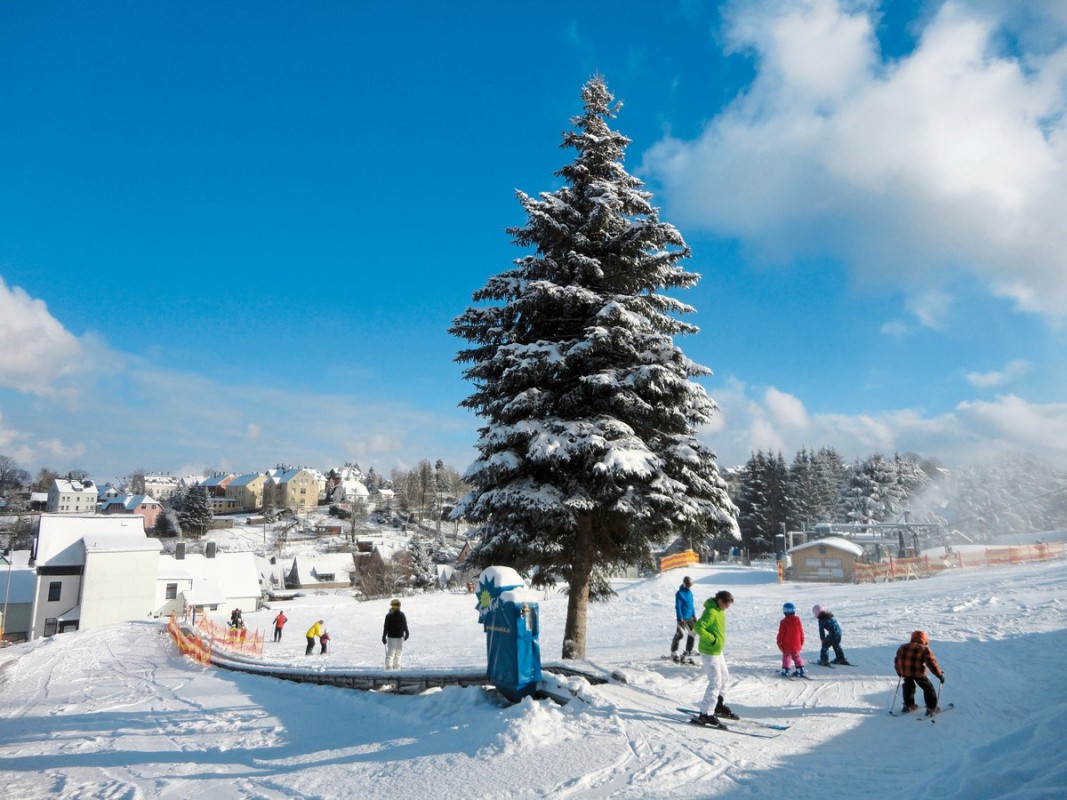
pixel 116 713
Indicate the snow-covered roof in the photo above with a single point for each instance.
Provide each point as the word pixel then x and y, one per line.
pixel 285 477
pixel 205 592
pixel 63 539
pixel 235 574
pixel 217 480
pixel 131 501
pixel 830 541
pixel 17 558
pixel 247 478
pixel 309 568
pixel 83 487
pixel 121 541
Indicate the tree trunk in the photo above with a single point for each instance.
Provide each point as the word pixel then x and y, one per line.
pixel 578 594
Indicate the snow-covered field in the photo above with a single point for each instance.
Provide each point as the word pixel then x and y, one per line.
pixel 116 713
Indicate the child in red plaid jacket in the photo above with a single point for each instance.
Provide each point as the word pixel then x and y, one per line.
pixel 911 662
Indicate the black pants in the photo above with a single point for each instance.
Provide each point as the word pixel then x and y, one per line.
pixel 311 646
pixel 277 634
pixel 685 628
pixel 839 654
pixel 929 695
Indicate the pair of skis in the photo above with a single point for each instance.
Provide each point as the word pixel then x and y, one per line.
pixel 927 717
pixel 738 725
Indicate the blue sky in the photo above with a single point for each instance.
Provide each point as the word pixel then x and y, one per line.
pixel 233 235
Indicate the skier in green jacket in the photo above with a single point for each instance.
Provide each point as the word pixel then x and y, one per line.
pixel 711 634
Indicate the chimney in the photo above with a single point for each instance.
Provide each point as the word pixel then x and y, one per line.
pixel 179 551
pixel 209 550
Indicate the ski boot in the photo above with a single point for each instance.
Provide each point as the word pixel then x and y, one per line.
pixel 675 658
pixel 723 710
pixel 708 719
pixel 842 661
pixel 908 709
pixel 687 657
pixel 798 672
pixel 824 662
pixel 785 673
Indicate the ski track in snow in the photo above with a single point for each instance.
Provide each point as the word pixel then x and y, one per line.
pixel 116 713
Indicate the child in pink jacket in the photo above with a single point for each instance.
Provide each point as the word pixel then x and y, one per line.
pixel 791 641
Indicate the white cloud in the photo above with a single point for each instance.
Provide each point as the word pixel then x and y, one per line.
pixel 36 351
pixel 1011 421
pixel 930 308
pixel 972 431
pixel 785 409
pixel 1011 372
pixel 54 448
pixel 952 159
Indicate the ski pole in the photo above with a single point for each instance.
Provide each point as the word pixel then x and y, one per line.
pixel 893 702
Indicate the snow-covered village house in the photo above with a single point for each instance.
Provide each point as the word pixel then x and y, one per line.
pixel 18 580
pixel 297 489
pixel 382 500
pixel 140 504
pixel 213 581
pixel 351 480
pixel 161 486
pixel 321 571
pixel 831 560
pixel 246 491
pixel 92 570
pixel 216 484
pixel 72 497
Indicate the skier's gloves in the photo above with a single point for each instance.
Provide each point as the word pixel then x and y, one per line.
pixel 383 640
pixel 942 677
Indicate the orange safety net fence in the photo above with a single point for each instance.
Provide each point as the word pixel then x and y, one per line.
pixel 193 645
pixel 240 639
pixel 676 560
pixel 895 569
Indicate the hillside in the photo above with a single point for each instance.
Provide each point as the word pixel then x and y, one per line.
pixel 115 712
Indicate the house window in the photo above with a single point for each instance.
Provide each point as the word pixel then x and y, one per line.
pixel 172 591
pixel 55 588
pixel 50 626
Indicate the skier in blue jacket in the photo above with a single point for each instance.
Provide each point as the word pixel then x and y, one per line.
pixel 686 615
pixel 829 636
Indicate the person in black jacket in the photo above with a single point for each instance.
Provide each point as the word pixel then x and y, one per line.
pixel 394 633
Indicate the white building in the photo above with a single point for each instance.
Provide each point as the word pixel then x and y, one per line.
pixel 214 581
pixel 92 570
pixel 72 497
pixel 161 486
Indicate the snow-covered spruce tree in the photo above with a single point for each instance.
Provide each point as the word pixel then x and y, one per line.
pixel 588 459
pixel 195 515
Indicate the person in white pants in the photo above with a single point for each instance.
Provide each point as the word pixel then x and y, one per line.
pixel 394 633
pixel 711 636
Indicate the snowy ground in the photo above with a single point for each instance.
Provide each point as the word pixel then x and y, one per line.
pixel 115 712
